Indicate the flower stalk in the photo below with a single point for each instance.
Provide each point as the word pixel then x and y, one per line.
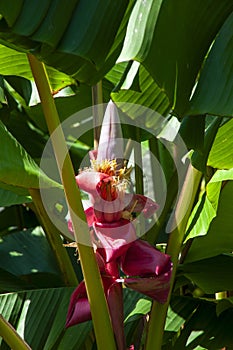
pixel 11 337
pixel 97 300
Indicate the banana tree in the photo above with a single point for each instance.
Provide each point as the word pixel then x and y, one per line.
pixel 128 271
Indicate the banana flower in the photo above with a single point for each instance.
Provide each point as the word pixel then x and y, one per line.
pixel 111 217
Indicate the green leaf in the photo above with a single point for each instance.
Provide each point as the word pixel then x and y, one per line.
pixel 27 254
pixel 219 238
pixel 39 317
pixel 223 305
pixel 142 307
pixel 192 131
pixel 19 125
pixel 178 312
pixel 10 282
pixel 206 208
pixel 8 198
pixel 220 156
pixel 203 329
pixel 68 38
pixel 140 30
pixel 16 63
pixel 17 168
pixel 200 157
pixel 212 274
pixel 215 86
pixel 172 59
pixel 150 95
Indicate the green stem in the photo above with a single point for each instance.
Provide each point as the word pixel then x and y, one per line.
pixel 53 236
pixel 159 311
pixel 99 309
pixel 11 337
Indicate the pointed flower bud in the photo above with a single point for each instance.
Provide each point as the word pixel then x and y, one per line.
pixel 111 140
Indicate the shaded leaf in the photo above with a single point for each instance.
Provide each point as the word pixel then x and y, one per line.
pixel 172 59
pixel 27 254
pixel 212 274
pixel 17 168
pixel 52 34
pixel 215 86
pixel 203 329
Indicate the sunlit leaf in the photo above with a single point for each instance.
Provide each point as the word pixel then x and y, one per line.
pixel 206 208
pixel 219 237
pixel 220 155
pixel 16 63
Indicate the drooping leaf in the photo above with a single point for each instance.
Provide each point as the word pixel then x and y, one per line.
pixel 215 86
pixel 68 38
pixel 159 36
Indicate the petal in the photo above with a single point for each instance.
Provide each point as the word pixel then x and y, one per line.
pixel 93 154
pixel 115 303
pixel 141 259
pixel 90 216
pixel 156 288
pixel 114 238
pixel 143 204
pixel 79 308
pixel 88 181
pixel 111 141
